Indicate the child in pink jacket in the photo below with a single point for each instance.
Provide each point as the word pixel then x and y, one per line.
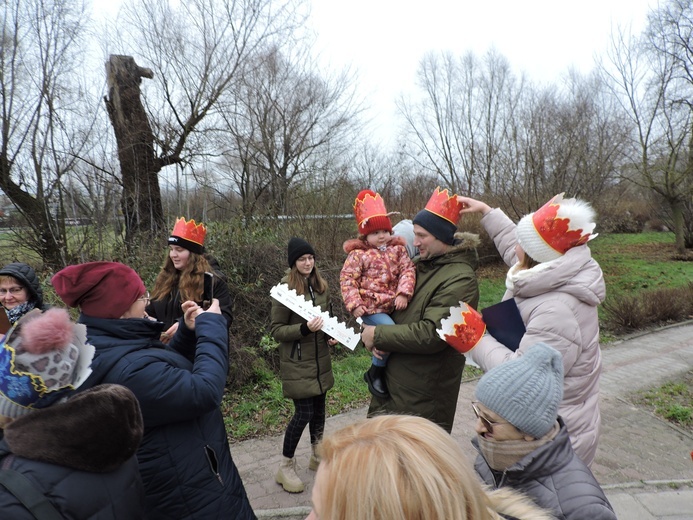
pixel 378 276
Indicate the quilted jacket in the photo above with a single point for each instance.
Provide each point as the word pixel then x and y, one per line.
pixel 423 372
pixel 555 478
pixel 558 302
pixel 373 278
pixel 184 458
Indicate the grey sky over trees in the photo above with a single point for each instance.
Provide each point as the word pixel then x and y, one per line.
pixel 244 121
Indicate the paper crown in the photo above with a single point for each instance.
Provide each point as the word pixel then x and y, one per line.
pixel 21 390
pixel 556 227
pixel 444 205
pixel 463 328
pixel 370 213
pixel 188 234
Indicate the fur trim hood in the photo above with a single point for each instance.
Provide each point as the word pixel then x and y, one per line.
pixel 96 431
pixel 464 241
pixel 359 243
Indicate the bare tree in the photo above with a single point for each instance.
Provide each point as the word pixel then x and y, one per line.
pixel 198 51
pixel 458 127
pixel 45 121
pixel 285 124
pixel 572 140
pixel 652 78
pixel 139 167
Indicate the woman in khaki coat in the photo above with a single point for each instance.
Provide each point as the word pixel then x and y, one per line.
pixel 306 366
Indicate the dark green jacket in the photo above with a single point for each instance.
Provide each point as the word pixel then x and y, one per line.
pixel 306 366
pixel 423 373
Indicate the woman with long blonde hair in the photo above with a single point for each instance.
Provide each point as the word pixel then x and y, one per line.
pixel 397 466
pixel 182 278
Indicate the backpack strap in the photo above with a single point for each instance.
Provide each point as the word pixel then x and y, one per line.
pixel 22 488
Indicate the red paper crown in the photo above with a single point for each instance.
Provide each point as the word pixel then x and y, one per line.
pixel 555 229
pixel 367 205
pixel 444 205
pixel 463 329
pixel 188 230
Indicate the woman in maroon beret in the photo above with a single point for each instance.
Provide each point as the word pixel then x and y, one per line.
pixel 184 458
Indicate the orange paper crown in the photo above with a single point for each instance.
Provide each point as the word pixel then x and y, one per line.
pixel 463 329
pixel 369 205
pixel 555 228
pixel 444 205
pixel 189 230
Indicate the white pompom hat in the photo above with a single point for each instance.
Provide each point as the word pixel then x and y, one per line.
pixel 556 227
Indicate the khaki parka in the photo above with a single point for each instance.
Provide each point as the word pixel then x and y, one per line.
pixel 305 362
pixel 423 372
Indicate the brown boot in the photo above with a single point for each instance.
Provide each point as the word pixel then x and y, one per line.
pixel 287 477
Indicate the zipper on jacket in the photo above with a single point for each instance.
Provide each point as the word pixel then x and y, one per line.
pixel 315 341
pixel 213 463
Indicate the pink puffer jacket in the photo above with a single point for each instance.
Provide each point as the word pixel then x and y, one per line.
pixel 558 302
pixel 373 278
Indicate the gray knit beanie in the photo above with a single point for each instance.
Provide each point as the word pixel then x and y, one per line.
pixel 526 391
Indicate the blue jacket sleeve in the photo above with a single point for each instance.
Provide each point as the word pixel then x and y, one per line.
pixel 183 341
pixel 171 389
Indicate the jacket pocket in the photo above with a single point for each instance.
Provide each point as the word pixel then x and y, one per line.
pixel 296 348
pixel 213 463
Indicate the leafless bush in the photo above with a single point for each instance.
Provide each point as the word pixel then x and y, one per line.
pixel 625 312
pixel 623 216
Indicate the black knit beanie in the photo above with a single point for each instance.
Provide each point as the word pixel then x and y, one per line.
pixel 442 229
pixel 297 248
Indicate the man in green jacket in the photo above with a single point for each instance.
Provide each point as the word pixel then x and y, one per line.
pixel 423 373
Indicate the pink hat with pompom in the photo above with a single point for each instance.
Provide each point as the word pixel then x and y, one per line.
pixel 42 356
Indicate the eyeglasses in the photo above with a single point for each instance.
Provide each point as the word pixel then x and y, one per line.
pixel 487 424
pixel 12 290
pixel 145 297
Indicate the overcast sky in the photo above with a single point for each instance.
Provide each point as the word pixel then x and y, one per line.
pixel 384 40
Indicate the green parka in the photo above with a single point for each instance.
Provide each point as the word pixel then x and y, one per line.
pixel 306 366
pixel 423 373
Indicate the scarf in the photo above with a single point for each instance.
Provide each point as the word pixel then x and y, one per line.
pixel 20 310
pixel 500 455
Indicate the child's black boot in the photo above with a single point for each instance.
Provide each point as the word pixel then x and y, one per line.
pixel 375 378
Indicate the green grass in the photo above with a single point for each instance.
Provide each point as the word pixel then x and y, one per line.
pixel 640 262
pixel 672 401
pixel 261 409
pixel 632 264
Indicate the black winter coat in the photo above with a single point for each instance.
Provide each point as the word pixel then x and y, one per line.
pixel 80 455
pixel 555 478
pixel 185 461
pixel 169 310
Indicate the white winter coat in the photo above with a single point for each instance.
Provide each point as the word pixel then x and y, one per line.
pixel 558 303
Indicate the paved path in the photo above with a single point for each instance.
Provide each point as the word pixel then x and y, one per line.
pixel 643 463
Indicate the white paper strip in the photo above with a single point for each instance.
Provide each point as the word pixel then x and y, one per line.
pixel 304 308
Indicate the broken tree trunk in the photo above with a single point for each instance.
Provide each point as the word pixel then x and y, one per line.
pixel 139 164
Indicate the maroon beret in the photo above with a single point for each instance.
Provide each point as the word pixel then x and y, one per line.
pixel 99 289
